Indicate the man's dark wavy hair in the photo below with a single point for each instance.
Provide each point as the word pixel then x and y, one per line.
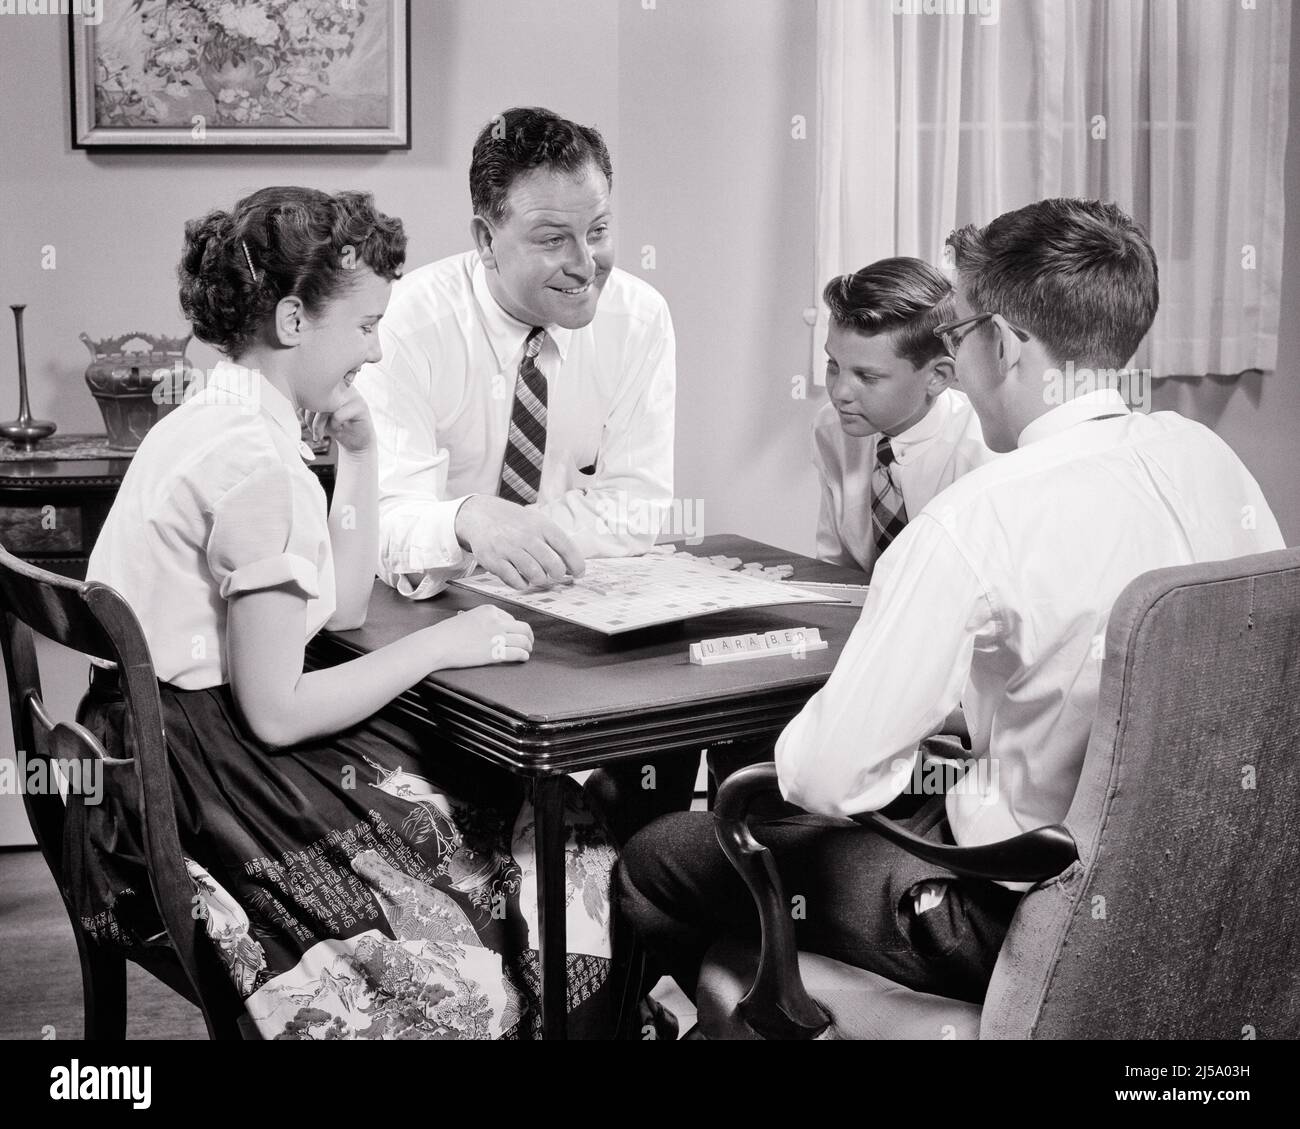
pixel 525 138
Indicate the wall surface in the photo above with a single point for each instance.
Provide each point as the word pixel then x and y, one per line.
pixel 715 181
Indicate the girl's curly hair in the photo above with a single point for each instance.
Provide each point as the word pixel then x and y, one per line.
pixel 278 242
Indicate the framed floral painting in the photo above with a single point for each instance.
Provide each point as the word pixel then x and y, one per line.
pixel 242 74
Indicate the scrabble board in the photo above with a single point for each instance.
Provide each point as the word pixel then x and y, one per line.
pixel 620 594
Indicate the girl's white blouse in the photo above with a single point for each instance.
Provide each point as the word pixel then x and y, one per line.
pixel 217 502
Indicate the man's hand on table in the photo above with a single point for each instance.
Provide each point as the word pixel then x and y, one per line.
pixel 517 543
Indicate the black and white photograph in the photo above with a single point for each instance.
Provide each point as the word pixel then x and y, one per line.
pixel 630 521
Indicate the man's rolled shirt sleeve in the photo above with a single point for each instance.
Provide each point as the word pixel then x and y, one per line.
pixel 854 745
pixel 418 549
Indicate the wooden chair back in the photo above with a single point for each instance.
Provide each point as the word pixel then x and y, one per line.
pixel 94 620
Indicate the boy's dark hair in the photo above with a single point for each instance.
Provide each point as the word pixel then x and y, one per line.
pixel 523 139
pixel 904 297
pixel 278 242
pixel 1079 275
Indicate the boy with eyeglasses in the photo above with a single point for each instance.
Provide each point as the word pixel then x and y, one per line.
pixel 996 595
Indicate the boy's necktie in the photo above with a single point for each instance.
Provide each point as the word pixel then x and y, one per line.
pixel 521 473
pixel 888 513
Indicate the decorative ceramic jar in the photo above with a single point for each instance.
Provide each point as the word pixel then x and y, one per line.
pixel 136 379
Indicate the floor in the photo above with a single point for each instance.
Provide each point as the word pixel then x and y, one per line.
pixel 675 1000
pixel 40 978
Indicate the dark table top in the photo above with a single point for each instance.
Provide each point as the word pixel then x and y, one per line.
pixel 97 475
pixel 585 698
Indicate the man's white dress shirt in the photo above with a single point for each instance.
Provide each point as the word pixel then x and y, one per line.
pixel 218 501
pixel 928 457
pixel 997 595
pixel 441 399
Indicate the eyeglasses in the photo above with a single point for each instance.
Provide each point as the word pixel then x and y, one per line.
pixel 952 339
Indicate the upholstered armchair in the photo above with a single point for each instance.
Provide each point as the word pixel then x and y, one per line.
pixel 1166 906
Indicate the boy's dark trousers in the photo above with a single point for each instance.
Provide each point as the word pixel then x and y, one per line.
pixel 634 793
pixel 852 892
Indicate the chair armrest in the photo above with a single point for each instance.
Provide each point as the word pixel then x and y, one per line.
pixel 1033 856
pixel 777 1005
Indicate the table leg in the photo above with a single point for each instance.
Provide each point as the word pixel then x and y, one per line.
pixel 552 944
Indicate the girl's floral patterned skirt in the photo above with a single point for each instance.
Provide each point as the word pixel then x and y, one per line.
pixel 357 887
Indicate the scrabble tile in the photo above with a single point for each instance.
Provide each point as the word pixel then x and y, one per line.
pixel 737 648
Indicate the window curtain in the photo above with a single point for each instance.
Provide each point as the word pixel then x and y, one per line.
pixel 937 113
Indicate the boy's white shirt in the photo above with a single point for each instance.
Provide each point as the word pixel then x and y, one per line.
pixel 998 594
pixel 928 457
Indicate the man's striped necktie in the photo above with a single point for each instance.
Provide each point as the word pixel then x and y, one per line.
pixel 888 513
pixel 521 473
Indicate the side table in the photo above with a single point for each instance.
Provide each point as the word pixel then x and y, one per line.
pixel 54 501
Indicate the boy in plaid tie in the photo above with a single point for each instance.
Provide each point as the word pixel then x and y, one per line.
pixel 894 433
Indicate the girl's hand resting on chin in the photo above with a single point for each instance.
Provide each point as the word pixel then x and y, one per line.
pixel 348 424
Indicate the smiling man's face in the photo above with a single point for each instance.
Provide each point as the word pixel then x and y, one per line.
pixel 549 258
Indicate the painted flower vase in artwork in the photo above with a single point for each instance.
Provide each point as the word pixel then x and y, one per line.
pixel 136 379
pixel 235 71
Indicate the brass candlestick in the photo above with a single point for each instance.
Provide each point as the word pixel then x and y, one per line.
pixel 24 431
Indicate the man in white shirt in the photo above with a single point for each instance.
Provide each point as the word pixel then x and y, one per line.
pixel 894 433
pixel 524 404
pixel 997 594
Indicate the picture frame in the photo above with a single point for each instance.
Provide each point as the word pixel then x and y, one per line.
pixel 241 75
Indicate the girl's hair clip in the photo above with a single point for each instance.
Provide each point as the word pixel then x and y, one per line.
pixel 257 278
